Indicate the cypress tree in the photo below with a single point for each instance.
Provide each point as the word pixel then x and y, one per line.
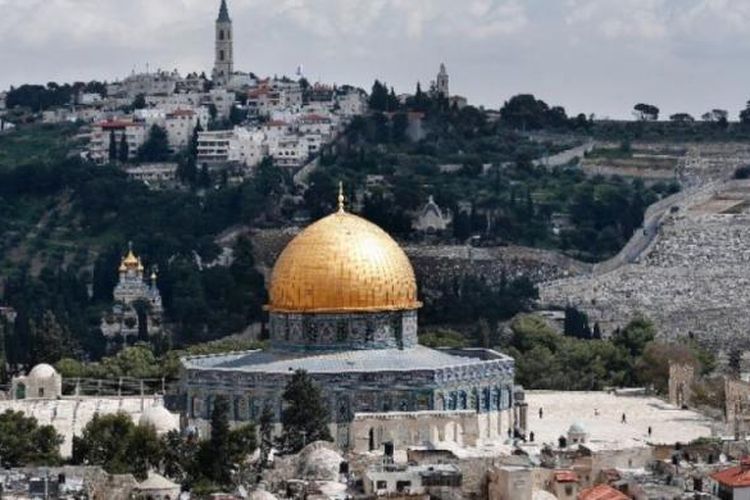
pixel 123 155
pixel 305 417
pixel 216 462
pixel 112 146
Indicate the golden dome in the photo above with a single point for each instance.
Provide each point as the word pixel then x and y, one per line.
pixel 342 263
pixel 131 261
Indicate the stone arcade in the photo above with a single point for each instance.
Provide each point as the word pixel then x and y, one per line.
pixel 343 307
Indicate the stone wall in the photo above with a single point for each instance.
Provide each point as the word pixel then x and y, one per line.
pixel 692 280
pixel 681 378
pixel 434 264
pixel 737 403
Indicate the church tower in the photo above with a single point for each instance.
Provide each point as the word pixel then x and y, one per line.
pixel 224 65
pixel 442 84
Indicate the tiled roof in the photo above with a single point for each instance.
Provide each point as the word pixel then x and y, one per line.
pixel 181 112
pixel 118 124
pixel 566 476
pixel 417 358
pixel 734 477
pixel 602 492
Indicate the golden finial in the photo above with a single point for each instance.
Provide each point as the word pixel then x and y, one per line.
pixel 341 196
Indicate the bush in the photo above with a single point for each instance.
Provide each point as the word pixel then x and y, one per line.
pixel 742 172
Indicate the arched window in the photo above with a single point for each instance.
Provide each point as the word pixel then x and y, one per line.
pixel 221 55
pixel 221 34
pixel 464 400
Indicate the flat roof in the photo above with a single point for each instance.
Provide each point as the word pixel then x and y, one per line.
pixel 372 360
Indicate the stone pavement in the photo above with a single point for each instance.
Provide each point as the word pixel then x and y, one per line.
pixel 606 430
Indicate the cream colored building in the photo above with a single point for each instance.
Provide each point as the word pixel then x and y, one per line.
pixel 43 382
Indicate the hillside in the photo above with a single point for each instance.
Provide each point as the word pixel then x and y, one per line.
pixel 67 222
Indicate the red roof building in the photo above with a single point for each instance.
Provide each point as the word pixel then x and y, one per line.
pixel 566 476
pixel 602 492
pixel 734 478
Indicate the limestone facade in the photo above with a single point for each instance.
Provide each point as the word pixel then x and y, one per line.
pixel 737 404
pixel 681 378
pixel 224 65
pixel 43 382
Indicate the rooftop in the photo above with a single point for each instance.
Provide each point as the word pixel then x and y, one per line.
pixel 734 477
pixel 376 360
pixel 601 492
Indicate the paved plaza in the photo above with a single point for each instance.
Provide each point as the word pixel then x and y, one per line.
pixel 600 414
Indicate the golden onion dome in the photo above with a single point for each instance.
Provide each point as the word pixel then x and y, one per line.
pixel 130 259
pixel 340 264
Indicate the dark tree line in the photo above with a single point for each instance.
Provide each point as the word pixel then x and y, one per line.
pixel 40 97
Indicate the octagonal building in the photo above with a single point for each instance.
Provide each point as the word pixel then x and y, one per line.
pixel 343 307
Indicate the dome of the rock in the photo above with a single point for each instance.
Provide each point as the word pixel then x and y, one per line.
pixel 342 264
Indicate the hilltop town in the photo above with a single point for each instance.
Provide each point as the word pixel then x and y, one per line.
pixel 229 285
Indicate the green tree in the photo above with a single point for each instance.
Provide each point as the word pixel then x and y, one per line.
pixel 156 147
pixel 635 336
pixel 114 442
pixel 179 461
pixel 305 416
pixel 24 443
pixel 379 97
pixel 51 341
pixel 123 153
pixel 139 102
pixel 112 147
pixel 145 449
pixel 646 112
pixel 215 454
pixel 193 150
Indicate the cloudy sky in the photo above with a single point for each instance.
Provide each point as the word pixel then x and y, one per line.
pixel 593 56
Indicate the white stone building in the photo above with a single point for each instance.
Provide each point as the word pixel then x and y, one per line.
pixel 180 125
pixel 289 152
pixel 351 103
pixel 43 382
pixel 154 175
pixel 243 146
pixel 103 133
pixel 158 83
pixel 431 219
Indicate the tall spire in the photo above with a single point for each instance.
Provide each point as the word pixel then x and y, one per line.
pixel 224 13
pixel 341 197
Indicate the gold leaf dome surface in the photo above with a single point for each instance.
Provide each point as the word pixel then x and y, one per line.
pixel 342 263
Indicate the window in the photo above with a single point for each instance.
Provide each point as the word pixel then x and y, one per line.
pixel 221 35
pixel 381 485
pixel 221 55
pixel 41 392
pixel 403 486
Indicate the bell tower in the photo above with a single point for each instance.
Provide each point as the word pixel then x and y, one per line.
pixel 442 84
pixel 224 61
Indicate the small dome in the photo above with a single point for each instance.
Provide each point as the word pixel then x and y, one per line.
pixel 318 462
pixel 577 428
pixel 42 371
pixel 160 418
pixel 340 264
